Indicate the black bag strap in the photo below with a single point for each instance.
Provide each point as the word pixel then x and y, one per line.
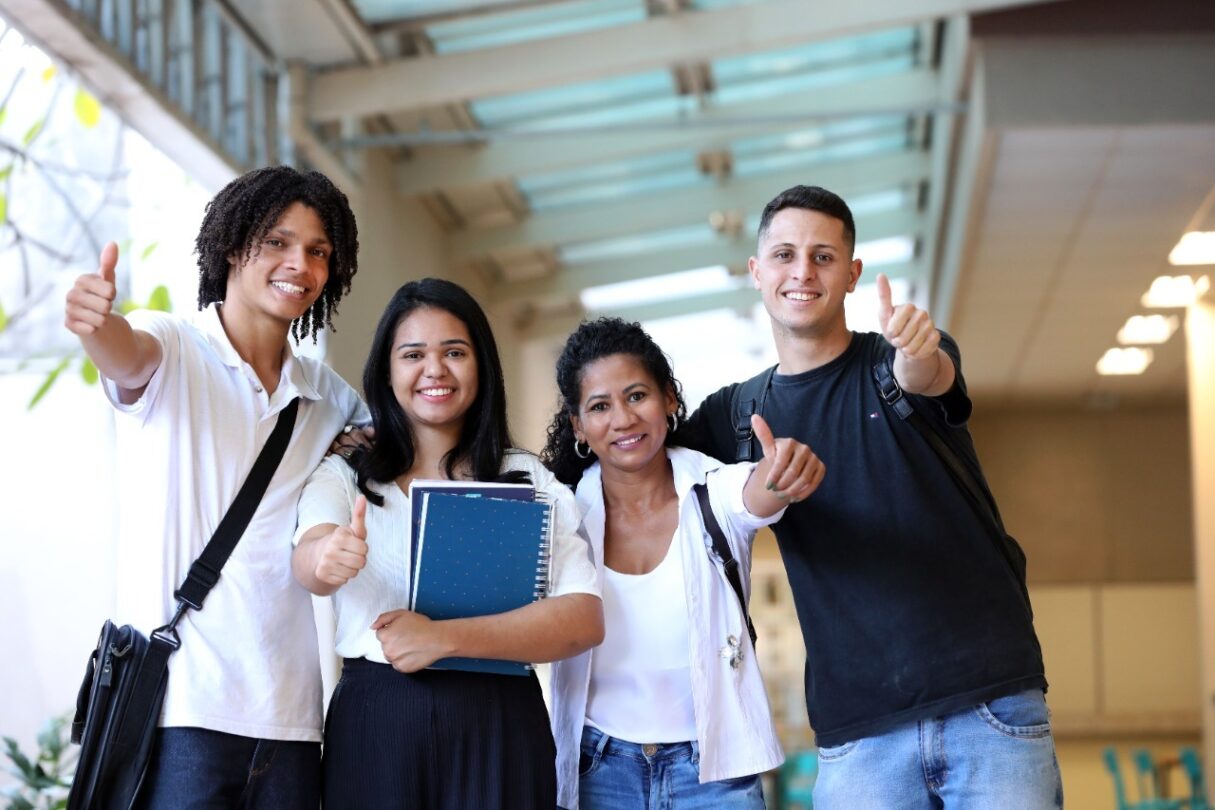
pixel 749 398
pixel 980 496
pixel 204 573
pixel 722 549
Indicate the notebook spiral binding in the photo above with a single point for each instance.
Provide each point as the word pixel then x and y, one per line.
pixel 544 563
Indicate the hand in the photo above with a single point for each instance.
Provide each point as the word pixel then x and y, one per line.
pixel 351 439
pixel 91 298
pixel 794 471
pixel 906 327
pixel 344 551
pixel 410 640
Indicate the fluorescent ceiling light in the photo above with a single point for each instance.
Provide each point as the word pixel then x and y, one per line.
pixel 1175 291
pixel 1124 361
pixel 659 288
pixel 1141 329
pixel 1194 247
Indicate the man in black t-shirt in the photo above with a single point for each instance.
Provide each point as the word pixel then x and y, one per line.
pixel 924 677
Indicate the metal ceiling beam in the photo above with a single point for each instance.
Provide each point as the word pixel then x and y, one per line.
pixel 716 127
pixel 686 206
pixel 657 43
pixel 733 253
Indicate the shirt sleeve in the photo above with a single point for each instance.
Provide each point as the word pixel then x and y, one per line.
pixel 726 485
pixel 572 568
pixel 328 497
pixel 165 330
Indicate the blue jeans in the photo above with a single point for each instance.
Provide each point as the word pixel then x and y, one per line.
pixel 993 756
pixel 619 775
pixel 200 769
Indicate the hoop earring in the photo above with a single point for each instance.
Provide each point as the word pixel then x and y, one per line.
pixel 580 455
pixel 674 420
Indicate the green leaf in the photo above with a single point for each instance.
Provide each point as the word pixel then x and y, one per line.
pixel 127 306
pixel 148 250
pixel 88 108
pixel 3 208
pixel 20 803
pixel 3 113
pixel 7 170
pixel 32 132
pixel 159 300
pixel 47 383
pixel 3 318
pixel 24 767
pixel 90 375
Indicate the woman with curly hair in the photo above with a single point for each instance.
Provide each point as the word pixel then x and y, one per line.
pixel 670 709
pixel 400 735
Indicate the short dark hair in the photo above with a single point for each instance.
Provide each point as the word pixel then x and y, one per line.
pixel 811 198
pixel 591 341
pixel 239 216
pixel 484 438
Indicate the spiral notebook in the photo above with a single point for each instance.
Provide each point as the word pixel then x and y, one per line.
pixel 418 488
pixel 476 556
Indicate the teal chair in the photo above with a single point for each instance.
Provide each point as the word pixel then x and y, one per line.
pixel 1193 771
pixel 795 780
pixel 1146 802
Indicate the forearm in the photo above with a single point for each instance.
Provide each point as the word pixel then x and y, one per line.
pixel 930 376
pixel 127 356
pixel 548 630
pixel 759 500
pixel 306 556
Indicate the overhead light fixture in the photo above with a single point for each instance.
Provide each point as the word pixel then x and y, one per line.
pixel 1194 247
pixel 658 288
pixel 1124 361
pixel 1175 291
pixel 1140 329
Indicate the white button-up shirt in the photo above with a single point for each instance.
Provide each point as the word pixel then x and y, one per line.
pixel 734 726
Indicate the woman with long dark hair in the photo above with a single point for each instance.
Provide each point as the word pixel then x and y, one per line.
pixel 670 709
pixel 399 735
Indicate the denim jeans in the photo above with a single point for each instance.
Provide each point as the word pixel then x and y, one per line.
pixel 619 775
pixel 200 769
pixel 995 756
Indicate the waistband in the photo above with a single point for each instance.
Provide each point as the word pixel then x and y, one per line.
pixel 648 752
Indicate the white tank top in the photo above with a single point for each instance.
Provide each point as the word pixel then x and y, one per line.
pixel 641 677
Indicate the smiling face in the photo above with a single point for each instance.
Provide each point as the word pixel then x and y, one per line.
pixel 285 272
pixel 433 370
pixel 622 413
pixel 804 270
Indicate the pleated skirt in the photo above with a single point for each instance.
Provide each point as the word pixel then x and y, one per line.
pixel 441 739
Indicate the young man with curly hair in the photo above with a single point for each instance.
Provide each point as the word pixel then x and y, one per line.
pixel 197 398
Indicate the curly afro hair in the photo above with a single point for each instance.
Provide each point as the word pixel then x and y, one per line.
pixel 239 217
pixel 591 341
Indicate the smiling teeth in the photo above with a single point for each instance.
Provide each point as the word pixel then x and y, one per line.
pixel 799 296
pixel 287 287
pixel 437 392
pixel 628 442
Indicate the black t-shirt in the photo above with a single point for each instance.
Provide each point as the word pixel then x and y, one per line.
pixel 908 606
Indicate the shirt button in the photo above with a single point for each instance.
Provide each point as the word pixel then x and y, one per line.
pixel 257 388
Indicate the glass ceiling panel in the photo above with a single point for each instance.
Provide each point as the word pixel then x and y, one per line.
pixel 874 47
pixel 577 103
pixel 527 25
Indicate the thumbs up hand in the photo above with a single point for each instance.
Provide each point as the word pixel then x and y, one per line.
pixel 906 327
pixel 91 298
pixel 344 551
pixel 789 472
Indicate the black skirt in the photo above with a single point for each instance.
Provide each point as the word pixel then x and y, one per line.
pixel 440 739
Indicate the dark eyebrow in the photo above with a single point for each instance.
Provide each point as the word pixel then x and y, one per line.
pixel 448 342
pixel 627 389
pixel 283 231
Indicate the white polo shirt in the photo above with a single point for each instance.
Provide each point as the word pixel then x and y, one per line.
pixel 734 725
pixel 248 661
pixel 383 584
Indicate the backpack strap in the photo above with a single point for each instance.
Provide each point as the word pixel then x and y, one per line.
pixel 748 398
pixel 721 548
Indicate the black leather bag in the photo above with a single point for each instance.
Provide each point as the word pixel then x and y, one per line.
pixel 118 706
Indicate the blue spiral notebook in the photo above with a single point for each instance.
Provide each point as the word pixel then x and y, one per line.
pixel 419 488
pixel 479 556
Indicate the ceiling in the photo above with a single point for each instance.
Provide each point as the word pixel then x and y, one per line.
pixel 1022 166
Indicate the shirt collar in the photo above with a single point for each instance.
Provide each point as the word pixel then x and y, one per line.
pixel 688 466
pixel 294 373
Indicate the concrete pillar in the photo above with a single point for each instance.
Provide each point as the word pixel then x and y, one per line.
pixel 1200 340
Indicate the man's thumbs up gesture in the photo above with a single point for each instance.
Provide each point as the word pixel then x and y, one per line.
pixel 919 364
pixel 92 296
pixel 789 472
pixel 344 551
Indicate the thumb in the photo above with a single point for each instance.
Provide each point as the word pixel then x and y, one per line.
pixel 358 518
pixel 885 307
pixel 764 433
pixel 107 262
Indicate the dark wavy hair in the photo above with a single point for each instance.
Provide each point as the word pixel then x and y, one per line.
pixel 239 216
pixel 811 198
pixel 591 341
pixel 485 437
